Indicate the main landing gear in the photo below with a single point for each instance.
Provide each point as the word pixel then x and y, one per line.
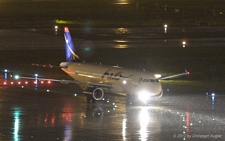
pixel 90 98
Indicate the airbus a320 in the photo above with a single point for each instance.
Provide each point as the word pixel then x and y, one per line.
pixel 95 80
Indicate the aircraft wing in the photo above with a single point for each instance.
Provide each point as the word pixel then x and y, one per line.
pixel 175 75
pixel 67 81
pixel 45 65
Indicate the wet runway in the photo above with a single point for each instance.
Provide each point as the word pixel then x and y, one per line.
pixel 94 38
pixel 59 112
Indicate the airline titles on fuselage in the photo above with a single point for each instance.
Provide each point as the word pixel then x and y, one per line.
pixel 114 76
pixel 107 75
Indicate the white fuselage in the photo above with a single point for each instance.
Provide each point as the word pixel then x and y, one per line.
pixel 120 80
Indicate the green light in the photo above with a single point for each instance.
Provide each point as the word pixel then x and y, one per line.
pixel 87 49
pixel 16 76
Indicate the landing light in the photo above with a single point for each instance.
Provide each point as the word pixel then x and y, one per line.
pixel 124 82
pixel 157 75
pixel 144 95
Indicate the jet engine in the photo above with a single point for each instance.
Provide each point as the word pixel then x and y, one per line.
pixel 98 94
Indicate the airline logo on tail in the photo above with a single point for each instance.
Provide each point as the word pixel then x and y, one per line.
pixel 69 47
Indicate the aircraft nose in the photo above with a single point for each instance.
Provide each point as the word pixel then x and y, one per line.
pixel 155 88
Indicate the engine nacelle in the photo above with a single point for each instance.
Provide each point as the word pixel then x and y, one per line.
pixel 98 94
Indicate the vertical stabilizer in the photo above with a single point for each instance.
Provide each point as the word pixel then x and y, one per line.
pixel 69 47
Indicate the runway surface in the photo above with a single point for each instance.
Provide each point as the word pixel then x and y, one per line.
pixel 54 112
pixel 60 112
pixel 88 38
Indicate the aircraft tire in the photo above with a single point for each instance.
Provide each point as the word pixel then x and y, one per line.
pixel 88 98
pixel 93 100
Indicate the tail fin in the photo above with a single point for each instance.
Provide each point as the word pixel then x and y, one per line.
pixel 69 47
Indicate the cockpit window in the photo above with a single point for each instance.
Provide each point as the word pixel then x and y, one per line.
pixel 148 80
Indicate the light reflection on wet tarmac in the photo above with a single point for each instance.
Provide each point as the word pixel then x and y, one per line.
pixel 28 114
pixel 113 38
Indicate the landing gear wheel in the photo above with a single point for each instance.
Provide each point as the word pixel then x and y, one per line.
pixel 93 100
pixel 90 98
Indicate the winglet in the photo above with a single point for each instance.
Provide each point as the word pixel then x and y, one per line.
pixel 187 72
pixel 69 47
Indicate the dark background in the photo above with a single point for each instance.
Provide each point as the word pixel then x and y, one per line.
pixel 205 64
pixel 39 13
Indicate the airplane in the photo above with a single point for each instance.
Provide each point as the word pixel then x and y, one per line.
pixel 96 80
